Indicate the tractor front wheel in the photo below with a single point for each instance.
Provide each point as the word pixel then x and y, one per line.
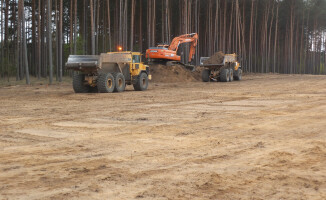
pixel 238 74
pixel 141 82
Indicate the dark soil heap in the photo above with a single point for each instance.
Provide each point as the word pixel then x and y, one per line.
pixel 173 74
pixel 217 58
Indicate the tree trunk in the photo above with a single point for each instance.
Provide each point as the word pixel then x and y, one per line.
pixel 132 25
pixel 49 41
pixel 275 38
pixel 92 27
pixel 39 50
pixel 75 28
pixel 60 40
pixel 140 26
pixel 109 25
pixel 23 40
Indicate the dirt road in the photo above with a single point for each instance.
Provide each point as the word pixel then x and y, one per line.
pixel 261 138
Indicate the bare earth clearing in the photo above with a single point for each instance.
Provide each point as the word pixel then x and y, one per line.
pixel 261 138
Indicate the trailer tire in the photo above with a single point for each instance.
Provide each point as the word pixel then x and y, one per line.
pixel 205 75
pixel 79 84
pixel 141 83
pixel 231 75
pixel 238 75
pixel 105 83
pixel 120 82
pixel 224 75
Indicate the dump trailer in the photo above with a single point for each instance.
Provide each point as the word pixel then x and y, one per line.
pixel 226 71
pixel 108 72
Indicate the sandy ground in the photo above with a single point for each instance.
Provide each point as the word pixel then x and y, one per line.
pixel 261 138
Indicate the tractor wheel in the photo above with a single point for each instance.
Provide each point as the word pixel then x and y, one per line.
pixel 238 74
pixel 120 82
pixel 231 75
pixel 141 83
pixel 105 83
pixel 205 75
pixel 224 75
pixel 79 84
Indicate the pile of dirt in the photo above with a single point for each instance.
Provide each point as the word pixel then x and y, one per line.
pixel 173 74
pixel 217 58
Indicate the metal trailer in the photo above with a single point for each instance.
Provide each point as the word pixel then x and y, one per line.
pixel 226 71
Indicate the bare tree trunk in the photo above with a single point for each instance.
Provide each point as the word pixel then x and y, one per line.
pixel 125 25
pixel 71 26
pixel 216 26
pixel 85 26
pixel 154 22
pixel 34 48
pixel 49 30
pixel 269 41
pixel 275 38
pixel 224 28
pixel 120 23
pixel 132 25
pixel 97 9
pixel 291 36
pixel 251 35
pixel 18 45
pixel 92 27
pixel 39 64
pixel 140 26
pixel 75 28
pixel 149 24
pixel 1 36
pixel 230 30
pixel 167 21
pixel 60 40
pixel 56 41
pixel 24 46
pixel 109 24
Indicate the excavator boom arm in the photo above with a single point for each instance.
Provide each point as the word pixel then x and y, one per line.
pixel 193 37
pixel 187 38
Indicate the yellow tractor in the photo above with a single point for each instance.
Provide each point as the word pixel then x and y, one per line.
pixel 108 72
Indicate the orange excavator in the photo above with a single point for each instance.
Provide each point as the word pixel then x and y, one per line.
pixel 181 51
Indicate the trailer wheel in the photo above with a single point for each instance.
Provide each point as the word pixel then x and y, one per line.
pixel 238 75
pixel 205 75
pixel 105 83
pixel 79 84
pixel 224 75
pixel 141 83
pixel 120 82
pixel 231 75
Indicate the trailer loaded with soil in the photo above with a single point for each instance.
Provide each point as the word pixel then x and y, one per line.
pixel 221 67
pixel 109 72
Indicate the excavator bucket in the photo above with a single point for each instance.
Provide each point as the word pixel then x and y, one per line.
pixel 79 62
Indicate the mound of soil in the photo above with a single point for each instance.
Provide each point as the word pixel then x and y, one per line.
pixel 217 58
pixel 173 74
